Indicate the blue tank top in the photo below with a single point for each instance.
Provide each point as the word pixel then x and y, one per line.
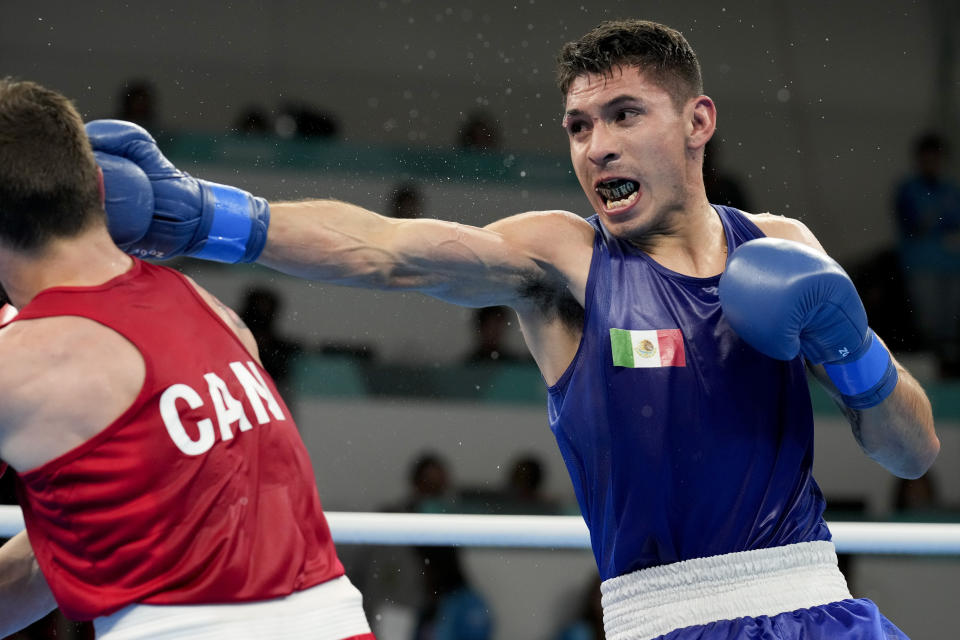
pixel 707 452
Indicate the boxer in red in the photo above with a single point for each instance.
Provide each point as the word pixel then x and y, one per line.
pixel 165 488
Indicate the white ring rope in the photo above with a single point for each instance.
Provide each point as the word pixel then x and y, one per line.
pixel 570 532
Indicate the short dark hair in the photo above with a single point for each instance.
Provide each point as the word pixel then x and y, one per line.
pixel 48 175
pixel 656 49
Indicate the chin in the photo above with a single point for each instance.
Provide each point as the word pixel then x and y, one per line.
pixel 635 225
pixel 622 226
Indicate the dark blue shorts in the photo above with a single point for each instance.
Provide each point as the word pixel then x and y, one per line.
pixel 845 620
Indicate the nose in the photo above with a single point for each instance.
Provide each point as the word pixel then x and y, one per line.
pixel 604 145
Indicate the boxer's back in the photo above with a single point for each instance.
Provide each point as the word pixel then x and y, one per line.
pixel 201 491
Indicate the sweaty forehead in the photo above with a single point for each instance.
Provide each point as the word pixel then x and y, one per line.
pixel 594 89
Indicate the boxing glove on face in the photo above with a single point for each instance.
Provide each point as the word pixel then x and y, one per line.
pixel 785 298
pixel 187 216
pixel 128 200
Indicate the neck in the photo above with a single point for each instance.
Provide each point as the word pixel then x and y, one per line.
pixel 681 216
pixel 693 243
pixel 85 260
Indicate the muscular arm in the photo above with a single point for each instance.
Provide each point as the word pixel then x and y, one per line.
pixel 345 244
pixel 898 433
pixel 24 594
pixel 323 240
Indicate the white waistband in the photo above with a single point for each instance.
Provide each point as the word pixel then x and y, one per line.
pixel 765 582
pixel 329 611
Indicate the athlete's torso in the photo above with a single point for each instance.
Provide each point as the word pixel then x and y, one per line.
pixel 201 492
pixel 693 444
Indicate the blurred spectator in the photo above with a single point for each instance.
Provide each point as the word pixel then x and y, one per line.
pixel 406 201
pixel 454 610
pixel 928 202
pixel 491 325
pixel 722 187
pixel 259 311
pixel 520 494
pixel 304 121
pixel 479 132
pixel 916 498
pixel 879 279
pixel 137 102
pixel 927 205
pixel 523 493
pixel 588 624
pixel 254 121
pixel 392 578
pixel 430 486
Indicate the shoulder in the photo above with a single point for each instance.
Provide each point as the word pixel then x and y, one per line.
pixel 542 227
pixel 560 244
pixel 775 226
pixel 58 344
pixel 229 317
pixel 71 375
pixel 55 339
pixel 561 239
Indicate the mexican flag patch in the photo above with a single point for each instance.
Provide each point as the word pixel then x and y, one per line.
pixel 649 348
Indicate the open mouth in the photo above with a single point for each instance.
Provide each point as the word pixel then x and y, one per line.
pixel 618 192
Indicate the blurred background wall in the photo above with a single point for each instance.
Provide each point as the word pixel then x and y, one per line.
pixel 818 101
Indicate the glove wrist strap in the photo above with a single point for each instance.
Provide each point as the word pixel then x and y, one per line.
pixel 868 380
pixel 232 227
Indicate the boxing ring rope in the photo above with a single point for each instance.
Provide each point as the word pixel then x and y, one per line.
pixel 570 532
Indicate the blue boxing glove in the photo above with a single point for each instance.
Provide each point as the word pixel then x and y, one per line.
pixel 128 199
pixel 785 298
pixel 180 215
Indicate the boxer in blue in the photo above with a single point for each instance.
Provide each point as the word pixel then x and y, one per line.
pixel 674 336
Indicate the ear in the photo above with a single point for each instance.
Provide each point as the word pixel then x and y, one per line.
pixel 103 191
pixel 702 122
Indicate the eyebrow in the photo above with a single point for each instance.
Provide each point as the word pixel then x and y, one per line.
pixel 615 102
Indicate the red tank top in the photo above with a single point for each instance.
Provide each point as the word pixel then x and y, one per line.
pixel 201 492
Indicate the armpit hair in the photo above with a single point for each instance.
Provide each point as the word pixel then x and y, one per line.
pixel 552 299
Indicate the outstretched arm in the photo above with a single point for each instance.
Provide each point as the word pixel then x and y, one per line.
pixel 341 243
pixel 24 594
pixel 535 262
pixel 156 211
pixel 786 296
